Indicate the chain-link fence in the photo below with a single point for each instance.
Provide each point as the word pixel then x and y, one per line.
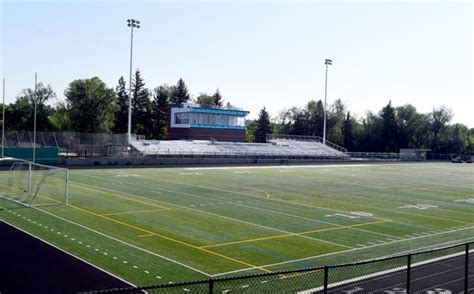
pixel 71 144
pixel 438 271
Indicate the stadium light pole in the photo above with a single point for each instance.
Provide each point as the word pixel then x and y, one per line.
pixel 133 24
pixel 327 62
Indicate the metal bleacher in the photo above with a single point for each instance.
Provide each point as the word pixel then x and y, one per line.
pixel 275 147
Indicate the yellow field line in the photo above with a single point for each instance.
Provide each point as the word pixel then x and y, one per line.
pixel 14 188
pixel 167 238
pixel 255 196
pixel 292 234
pixel 287 276
pixel 117 195
pixel 135 211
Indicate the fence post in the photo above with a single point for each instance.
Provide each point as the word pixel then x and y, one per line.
pixel 466 268
pixel 408 273
pixel 211 286
pixel 326 278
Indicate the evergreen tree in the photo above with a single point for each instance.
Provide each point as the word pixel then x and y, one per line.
pixel 180 93
pixel 262 126
pixel 141 107
pixel 161 97
pixel 389 133
pixel 348 132
pixel 218 102
pixel 121 117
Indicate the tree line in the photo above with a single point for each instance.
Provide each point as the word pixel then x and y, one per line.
pixel 93 107
pixel 389 130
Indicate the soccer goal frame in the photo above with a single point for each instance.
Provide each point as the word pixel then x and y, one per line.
pixel 26 179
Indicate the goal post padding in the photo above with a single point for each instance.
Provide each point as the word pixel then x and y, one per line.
pixel 34 184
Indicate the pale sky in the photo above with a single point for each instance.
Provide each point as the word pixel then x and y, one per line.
pixel 258 53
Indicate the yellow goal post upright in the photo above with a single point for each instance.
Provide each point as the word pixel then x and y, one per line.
pixel 33 184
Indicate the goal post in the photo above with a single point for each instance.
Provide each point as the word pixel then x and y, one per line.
pixel 32 184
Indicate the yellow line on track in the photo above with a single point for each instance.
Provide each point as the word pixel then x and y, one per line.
pixel 292 234
pixel 166 238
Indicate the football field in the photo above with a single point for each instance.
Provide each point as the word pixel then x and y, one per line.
pixel 161 225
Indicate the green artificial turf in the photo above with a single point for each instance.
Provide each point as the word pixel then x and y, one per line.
pixel 153 226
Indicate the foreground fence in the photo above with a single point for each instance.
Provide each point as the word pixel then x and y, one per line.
pixel 438 271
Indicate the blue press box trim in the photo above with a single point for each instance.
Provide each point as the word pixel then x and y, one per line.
pixel 220 111
pixel 216 127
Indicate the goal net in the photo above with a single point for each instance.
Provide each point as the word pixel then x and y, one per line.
pixel 33 184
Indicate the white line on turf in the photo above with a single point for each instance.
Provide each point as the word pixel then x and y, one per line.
pixel 346 251
pixel 70 254
pixel 123 242
pixel 233 219
pixel 239 204
pixel 383 274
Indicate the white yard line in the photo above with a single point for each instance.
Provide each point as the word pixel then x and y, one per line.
pixel 276 166
pixel 384 274
pixel 70 254
pixel 226 217
pixel 125 243
pixel 346 251
pixel 208 198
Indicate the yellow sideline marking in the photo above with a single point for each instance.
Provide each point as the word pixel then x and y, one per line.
pixel 120 196
pixel 167 238
pixel 292 234
pixel 135 211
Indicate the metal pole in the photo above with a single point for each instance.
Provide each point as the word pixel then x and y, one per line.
pixel 3 119
pixel 130 90
pixel 325 98
pixel 408 282
pixel 326 279
pixel 34 119
pixel 466 269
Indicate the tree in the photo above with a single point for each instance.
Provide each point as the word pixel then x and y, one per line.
pixel 60 119
pixel 217 99
pixel 335 118
pixel 180 93
pixel 348 132
pixel 205 101
pixel 121 117
pixel 439 118
pixel 91 105
pixel 141 107
pixel 316 117
pixel 250 131
pixel 22 111
pixel 371 135
pixel 389 133
pixel 161 97
pixel 262 126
